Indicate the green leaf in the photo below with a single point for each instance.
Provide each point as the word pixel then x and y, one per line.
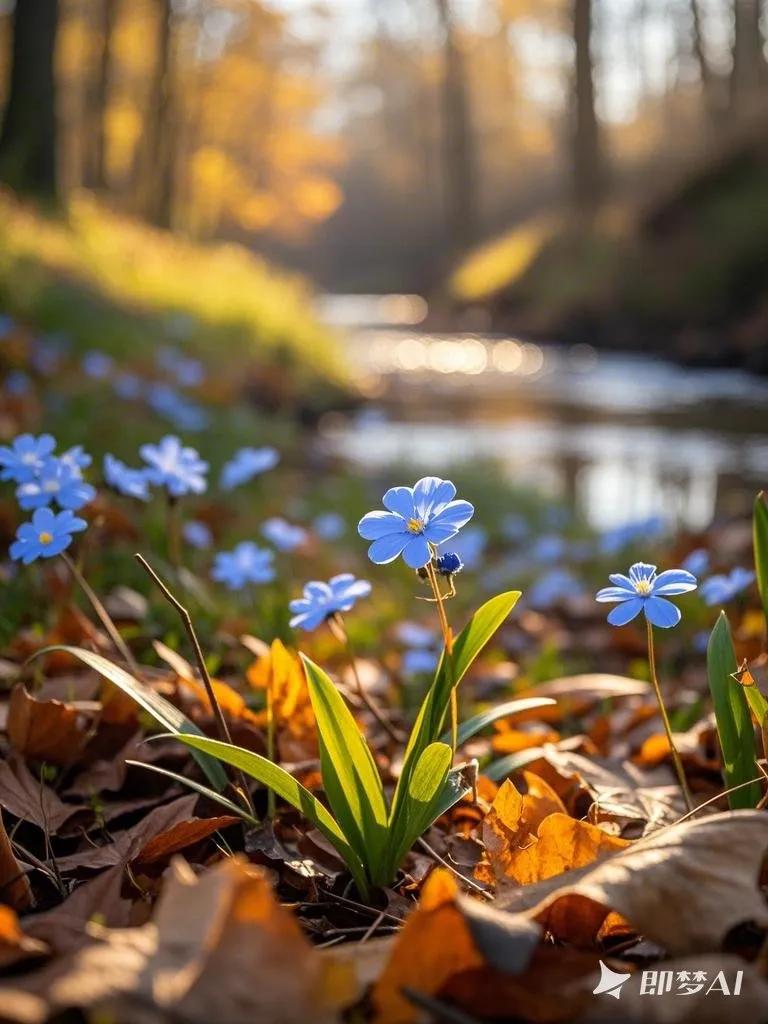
pixel 231 806
pixel 163 712
pixel 424 789
pixel 734 722
pixel 468 644
pixel 281 782
pixel 473 725
pixel 760 541
pixel 500 769
pixel 350 777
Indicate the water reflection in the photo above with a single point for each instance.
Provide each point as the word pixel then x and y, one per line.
pixel 619 436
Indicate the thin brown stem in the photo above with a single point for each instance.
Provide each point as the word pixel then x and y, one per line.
pixel 103 615
pixel 448 641
pixel 339 632
pixel 665 719
pixel 221 722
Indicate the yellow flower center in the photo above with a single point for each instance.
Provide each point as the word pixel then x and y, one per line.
pixel 45 537
pixel 643 587
pixel 415 525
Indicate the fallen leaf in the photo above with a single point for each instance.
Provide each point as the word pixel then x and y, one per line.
pixel 28 798
pixel 48 730
pixel 14 944
pixel 280 671
pixel 15 889
pixel 561 844
pixel 684 887
pixel 178 837
pixel 447 935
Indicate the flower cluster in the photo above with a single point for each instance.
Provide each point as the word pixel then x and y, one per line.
pixel 45 481
pixel 245 563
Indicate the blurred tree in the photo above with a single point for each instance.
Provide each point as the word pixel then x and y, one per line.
pixel 748 64
pixel 97 96
pixel 460 173
pixel 586 156
pixel 28 135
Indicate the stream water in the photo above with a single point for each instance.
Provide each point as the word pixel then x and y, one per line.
pixel 618 436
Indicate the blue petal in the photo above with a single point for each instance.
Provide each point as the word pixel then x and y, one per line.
pixel 431 493
pixel 674 581
pixel 417 553
pixel 661 612
pixel 625 612
pixel 380 524
pixel 386 549
pixel 614 594
pixel 620 580
pixel 400 501
pixel 642 571
pixel 449 521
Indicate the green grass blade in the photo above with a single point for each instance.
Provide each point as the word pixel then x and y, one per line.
pixel 468 644
pixel 350 777
pixel 760 541
pixel 734 722
pixel 503 767
pixel 163 712
pixel 281 782
pixel 231 806
pixel 485 718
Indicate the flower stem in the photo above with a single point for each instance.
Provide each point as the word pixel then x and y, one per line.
pixel 339 632
pixel 103 615
pixel 665 719
pixel 448 642
pixel 174 531
pixel 221 722
pixel 271 738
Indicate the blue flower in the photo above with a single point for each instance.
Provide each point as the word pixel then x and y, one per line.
pixel 620 537
pixel 57 481
pixel 415 518
pixel 178 410
pixel 17 383
pixel 554 586
pixel 697 562
pixel 76 458
pixel 283 534
pixel 470 546
pixel 515 527
pixel 419 661
pixel 25 457
pixel 128 386
pixel 174 466
pixel 247 463
pixel 448 564
pixel 97 365
pixel 47 535
pixel 642 590
pixel 722 588
pixel 133 483
pixel 329 526
pixel 321 600
pixel 245 563
pixel 413 635
pixel 197 534
pixel 549 548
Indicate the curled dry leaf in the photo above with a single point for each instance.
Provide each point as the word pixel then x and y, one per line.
pixel 220 949
pixel 48 730
pixel 684 887
pixel 447 935
pixel 14 884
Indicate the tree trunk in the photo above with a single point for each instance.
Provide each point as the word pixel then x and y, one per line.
pixel 586 158
pixel 747 68
pixel 97 99
pixel 458 158
pixel 28 136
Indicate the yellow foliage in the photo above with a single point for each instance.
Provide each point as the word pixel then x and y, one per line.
pixel 281 673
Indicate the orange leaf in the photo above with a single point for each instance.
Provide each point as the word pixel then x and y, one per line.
pixel 14 884
pixel 46 730
pixel 281 672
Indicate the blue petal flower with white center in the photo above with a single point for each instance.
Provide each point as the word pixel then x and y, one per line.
pixel 724 587
pixel 48 534
pixel 22 460
pixel 643 591
pixel 197 534
pixel 132 483
pixel 416 517
pixel 57 481
pixel 76 458
pixel 174 466
pixel 246 464
pixel 322 600
pixel 283 534
pixel 245 563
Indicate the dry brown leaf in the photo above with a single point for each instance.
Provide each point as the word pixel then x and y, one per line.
pixel 447 935
pixel 220 949
pixel 684 887
pixel 14 944
pixel 15 889
pixel 48 730
pixel 178 837
pixel 28 798
pixel 281 672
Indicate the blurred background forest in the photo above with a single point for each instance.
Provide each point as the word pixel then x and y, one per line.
pixel 539 182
